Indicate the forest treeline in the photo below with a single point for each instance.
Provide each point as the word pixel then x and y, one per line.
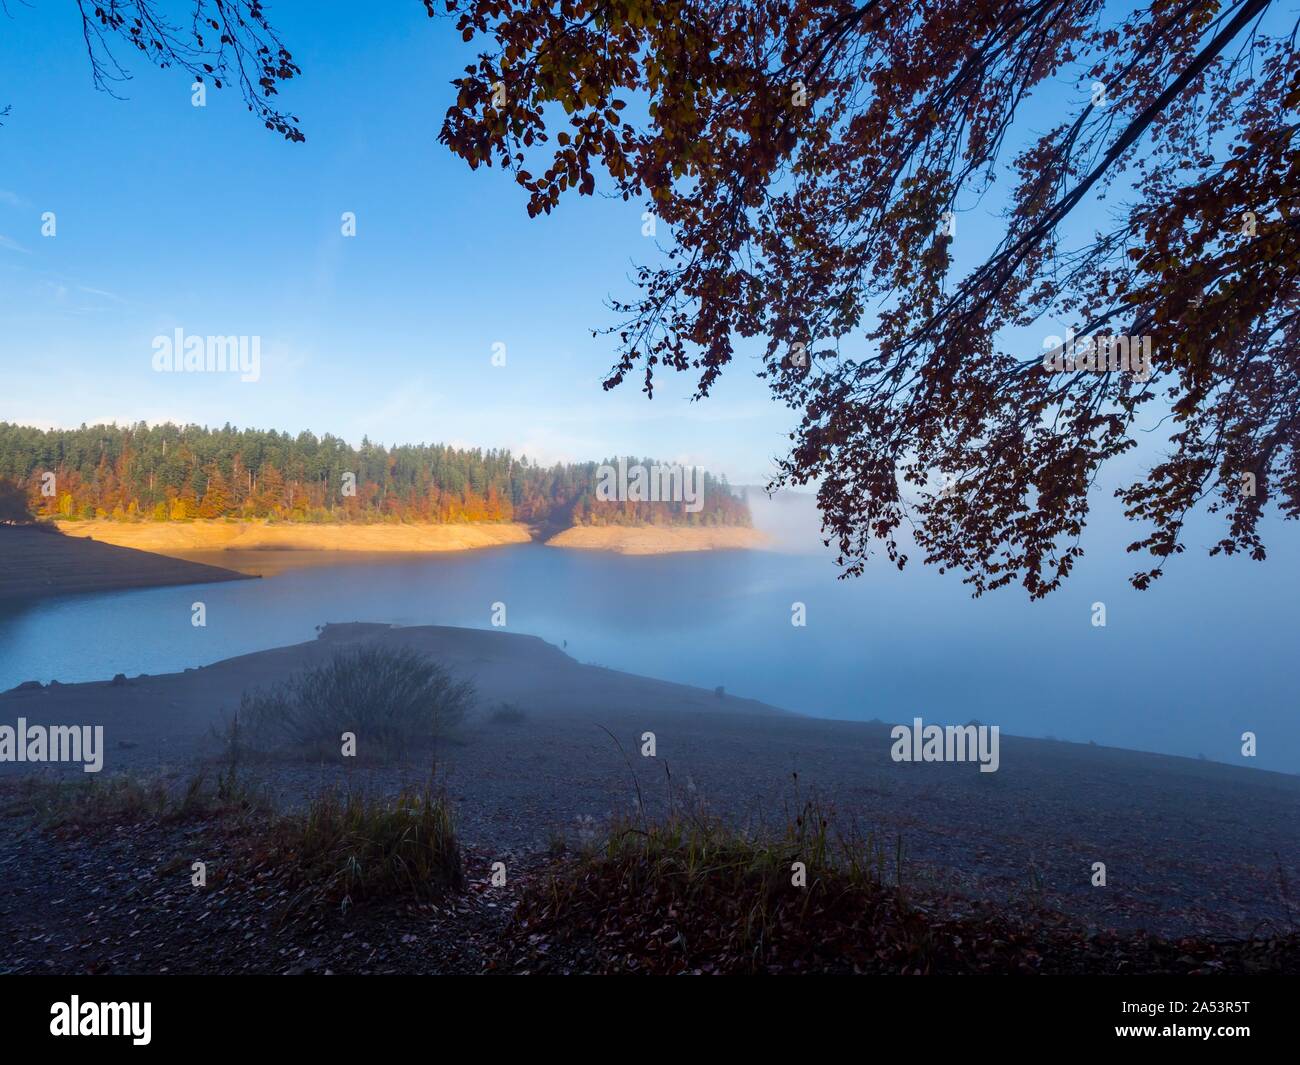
pixel 179 473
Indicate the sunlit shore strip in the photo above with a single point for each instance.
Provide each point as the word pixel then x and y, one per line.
pixel 659 540
pixel 167 538
pixel 178 538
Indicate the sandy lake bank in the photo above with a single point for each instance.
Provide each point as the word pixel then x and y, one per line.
pixel 193 537
pixel 658 539
pixel 202 538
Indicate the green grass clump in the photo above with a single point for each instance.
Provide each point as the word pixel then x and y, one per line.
pixel 346 848
pixel 698 854
pixel 338 849
pixel 688 893
pixel 80 804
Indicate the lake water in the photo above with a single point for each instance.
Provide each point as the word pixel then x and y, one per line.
pixel 1182 669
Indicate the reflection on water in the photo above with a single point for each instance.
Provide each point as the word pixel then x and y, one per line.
pixel 1183 669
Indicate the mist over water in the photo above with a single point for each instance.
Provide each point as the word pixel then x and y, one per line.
pixel 1183 669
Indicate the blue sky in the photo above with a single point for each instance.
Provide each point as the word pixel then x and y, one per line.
pixel 174 216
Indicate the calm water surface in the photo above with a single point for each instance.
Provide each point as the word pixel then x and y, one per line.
pixel 1183 669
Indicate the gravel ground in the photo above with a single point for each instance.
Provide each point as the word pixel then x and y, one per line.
pixel 1190 847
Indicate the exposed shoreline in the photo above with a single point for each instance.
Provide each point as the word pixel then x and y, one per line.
pixel 658 539
pixel 181 539
pixel 192 537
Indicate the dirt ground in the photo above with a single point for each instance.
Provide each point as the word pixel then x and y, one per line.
pixel 1190 847
pixel 35 563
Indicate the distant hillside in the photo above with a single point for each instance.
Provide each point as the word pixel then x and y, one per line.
pixel 178 473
